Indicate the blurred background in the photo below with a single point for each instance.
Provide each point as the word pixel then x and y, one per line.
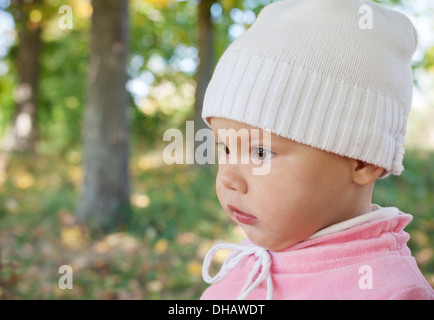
pixel 87 90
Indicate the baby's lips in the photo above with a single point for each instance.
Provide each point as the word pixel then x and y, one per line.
pixel 241 216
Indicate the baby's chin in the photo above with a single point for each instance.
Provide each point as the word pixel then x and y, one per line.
pixel 277 247
pixel 271 243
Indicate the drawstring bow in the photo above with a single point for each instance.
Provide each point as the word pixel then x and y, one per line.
pixel 239 252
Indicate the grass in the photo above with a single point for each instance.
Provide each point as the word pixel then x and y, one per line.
pixel 159 254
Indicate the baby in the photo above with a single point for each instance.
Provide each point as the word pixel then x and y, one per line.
pixel 320 91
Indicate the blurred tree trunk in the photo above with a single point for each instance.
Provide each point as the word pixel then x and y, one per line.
pixel 22 135
pixel 105 204
pixel 205 39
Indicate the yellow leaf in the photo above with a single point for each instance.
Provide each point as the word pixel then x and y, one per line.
pixel 76 174
pixel 82 8
pixel 221 255
pixel 140 200
pixel 161 246
pixel 149 161
pixel 3 176
pixel 25 181
pixel 194 268
pixel 159 3
pixel 228 5
pixel 35 16
pixel 154 286
pixel 72 237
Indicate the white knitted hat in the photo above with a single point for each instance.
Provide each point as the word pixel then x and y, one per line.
pixel 308 71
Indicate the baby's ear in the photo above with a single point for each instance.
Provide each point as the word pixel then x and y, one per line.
pixel 365 173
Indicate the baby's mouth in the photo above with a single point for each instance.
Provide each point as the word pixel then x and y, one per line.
pixel 242 217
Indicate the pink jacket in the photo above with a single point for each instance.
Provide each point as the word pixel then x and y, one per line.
pixel 367 261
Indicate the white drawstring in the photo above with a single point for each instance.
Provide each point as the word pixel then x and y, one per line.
pixel 239 252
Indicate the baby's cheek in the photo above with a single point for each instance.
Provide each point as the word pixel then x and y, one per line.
pixel 285 223
pixel 219 189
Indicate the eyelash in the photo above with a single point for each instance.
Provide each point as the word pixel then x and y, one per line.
pixel 257 149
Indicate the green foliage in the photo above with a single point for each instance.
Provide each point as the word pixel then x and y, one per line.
pixel 62 91
pixel 413 193
pixel 6 100
pixel 428 61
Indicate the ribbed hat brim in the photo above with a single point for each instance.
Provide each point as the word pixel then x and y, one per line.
pixel 309 108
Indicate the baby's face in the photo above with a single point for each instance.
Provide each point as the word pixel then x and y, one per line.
pixel 305 189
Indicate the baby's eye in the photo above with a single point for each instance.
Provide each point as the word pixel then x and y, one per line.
pixel 222 148
pixel 262 154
